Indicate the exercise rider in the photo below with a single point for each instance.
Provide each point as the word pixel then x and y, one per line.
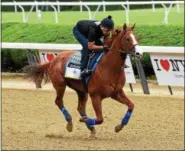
pixel 89 34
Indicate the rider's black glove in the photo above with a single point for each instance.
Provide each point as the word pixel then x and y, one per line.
pixel 106 49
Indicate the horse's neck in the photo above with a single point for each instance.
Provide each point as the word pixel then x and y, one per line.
pixel 113 61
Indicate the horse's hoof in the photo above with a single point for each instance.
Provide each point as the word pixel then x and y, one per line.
pixel 118 128
pixel 92 137
pixel 93 131
pixel 81 120
pixel 93 134
pixel 69 127
pixel 90 127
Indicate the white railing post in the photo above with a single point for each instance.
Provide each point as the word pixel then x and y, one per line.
pixel 23 14
pixel 81 6
pixel 153 6
pixel 104 7
pixel 178 8
pixel 15 6
pixel 56 13
pixel 126 12
pixel 58 6
pixel 167 10
pixel 29 13
pixel 96 11
pixel 39 15
pixel 165 20
pixel 36 6
pixel 89 12
pixel 128 6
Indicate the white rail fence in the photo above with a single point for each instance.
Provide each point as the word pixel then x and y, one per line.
pixel 59 47
pixel 168 62
pixel 125 4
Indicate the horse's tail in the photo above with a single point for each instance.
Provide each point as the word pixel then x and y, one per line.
pixel 37 72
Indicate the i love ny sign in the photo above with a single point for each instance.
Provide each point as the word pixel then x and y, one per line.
pixel 47 56
pixel 169 69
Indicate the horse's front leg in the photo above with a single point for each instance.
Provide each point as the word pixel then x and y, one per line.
pixel 122 98
pixel 96 102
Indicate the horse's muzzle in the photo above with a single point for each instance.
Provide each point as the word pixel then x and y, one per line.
pixel 138 51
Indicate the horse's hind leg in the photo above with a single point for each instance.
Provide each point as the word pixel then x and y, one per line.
pixel 82 100
pixel 55 72
pixel 59 102
pixel 122 98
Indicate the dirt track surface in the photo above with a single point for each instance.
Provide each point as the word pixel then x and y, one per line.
pixel 31 120
pixel 155 90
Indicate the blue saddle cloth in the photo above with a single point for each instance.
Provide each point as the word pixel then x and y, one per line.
pixel 75 62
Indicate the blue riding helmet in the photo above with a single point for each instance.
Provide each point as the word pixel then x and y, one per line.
pixel 107 22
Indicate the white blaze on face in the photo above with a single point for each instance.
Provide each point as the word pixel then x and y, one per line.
pixel 133 39
pixel 137 47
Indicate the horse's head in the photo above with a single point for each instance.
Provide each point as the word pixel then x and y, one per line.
pixel 124 40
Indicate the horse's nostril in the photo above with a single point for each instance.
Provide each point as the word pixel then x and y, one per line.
pixel 137 53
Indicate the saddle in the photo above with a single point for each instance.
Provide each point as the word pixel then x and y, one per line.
pixel 73 66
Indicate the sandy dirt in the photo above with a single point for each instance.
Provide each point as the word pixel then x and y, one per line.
pixel 154 88
pixel 31 120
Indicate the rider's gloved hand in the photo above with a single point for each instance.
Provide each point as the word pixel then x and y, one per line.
pixel 106 49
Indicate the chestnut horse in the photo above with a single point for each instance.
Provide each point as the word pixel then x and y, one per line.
pixel 106 81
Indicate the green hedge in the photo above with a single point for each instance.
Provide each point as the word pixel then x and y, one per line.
pixel 164 35
pixel 13 60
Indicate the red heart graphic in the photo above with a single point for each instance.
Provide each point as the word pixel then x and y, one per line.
pixel 165 64
pixel 50 56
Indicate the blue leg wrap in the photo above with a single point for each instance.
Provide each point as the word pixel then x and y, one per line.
pixel 88 126
pixel 126 117
pixel 66 114
pixel 91 121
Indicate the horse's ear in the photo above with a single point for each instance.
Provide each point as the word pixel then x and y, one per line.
pixel 133 26
pixel 116 32
pixel 124 27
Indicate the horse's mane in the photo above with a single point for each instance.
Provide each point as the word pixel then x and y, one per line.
pixel 108 40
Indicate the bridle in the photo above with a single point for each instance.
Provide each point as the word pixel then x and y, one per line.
pixel 123 51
